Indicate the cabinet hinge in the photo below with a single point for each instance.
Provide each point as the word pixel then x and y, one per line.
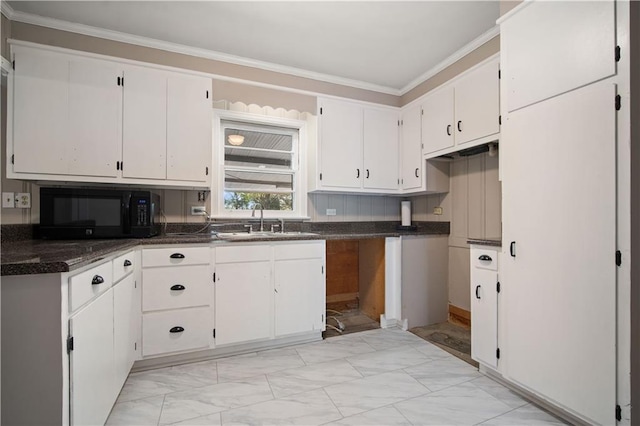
pixel 135 284
pixel 500 120
pixel 206 171
pixel 618 102
pixel 13 64
pixel 214 277
pixel 69 344
pixel 320 176
pixel 207 96
pixel 320 110
pixel 135 346
pixel 618 258
pixel 122 81
pixel 618 413
pixel 13 159
pixel 499 73
pixel 323 269
pixel 214 333
pixel 122 165
pixel 617 55
pixel 498 353
pixel 498 286
pixel 421 112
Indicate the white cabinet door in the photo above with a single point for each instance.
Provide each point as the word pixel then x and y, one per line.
pixel 125 314
pixel 144 134
pixel 299 296
pixel 95 118
pixel 243 302
pixel 437 121
pixel 189 128
pixel 341 144
pixel 40 112
pixel 560 287
pixel 477 108
pixel 91 362
pixel 411 151
pixel 380 149
pixel 484 311
pixel 549 48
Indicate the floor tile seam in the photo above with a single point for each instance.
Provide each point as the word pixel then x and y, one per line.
pixel 161 408
pixel 334 405
pixel 258 374
pixel 176 391
pixel 499 415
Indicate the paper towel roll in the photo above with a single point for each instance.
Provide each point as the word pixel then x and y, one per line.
pixel 405 210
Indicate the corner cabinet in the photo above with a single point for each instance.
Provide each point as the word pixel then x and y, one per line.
pixel 464 113
pixel 93 119
pixel 357 148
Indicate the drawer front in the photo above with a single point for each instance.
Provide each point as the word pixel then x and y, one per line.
pixel 306 250
pixel 191 330
pixel 89 284
pixel 123 266
pixel 484 258
pixel 177 287
pixel 175 256
pixel 243 253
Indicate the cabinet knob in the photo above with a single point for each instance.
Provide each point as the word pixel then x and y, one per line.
pixel 176 329
pixel 477 292
pixel 177 256
pixel 459 125
pixel 417 172
pixel 178 287
pixel 127 262
pixel 485 257
pixel 448 129
pixel 97 279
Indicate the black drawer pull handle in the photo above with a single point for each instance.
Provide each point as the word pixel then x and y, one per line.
pixel 127 262
pixel 177 287
pixel 177 329
pixel 485 257
pixel 512 249
pixel 460 125
pixel 97 279
pixel 417 173
pixel 477 292
pixel 448 129
pixel 177 256
pixel 367 173
pixel 357 173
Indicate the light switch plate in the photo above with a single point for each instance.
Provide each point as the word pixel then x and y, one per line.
pixel 331 212
pixel 8 201
pixel 23 200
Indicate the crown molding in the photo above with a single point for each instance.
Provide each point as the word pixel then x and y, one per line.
pixel 6 9
pixel 456 56
pixel 58 24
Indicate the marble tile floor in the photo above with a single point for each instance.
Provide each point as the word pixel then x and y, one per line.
pixel 375 377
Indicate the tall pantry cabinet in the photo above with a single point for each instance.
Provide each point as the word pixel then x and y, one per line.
pixel 558 164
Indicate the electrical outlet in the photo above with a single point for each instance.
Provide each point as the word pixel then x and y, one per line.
pixel 8 202
pixel 23 200
pixel 437 210
pixel 331 212
pixel 198 210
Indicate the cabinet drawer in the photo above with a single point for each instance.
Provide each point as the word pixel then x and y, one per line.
pixel 175 331
pixel 175 256
pixel 178 287
pixel 243 253
pixel 123 266
pixel 85 286
pixel 484 258
pixel 299 251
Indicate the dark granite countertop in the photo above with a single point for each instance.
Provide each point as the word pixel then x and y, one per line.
pixel 27 256
pixel 487 242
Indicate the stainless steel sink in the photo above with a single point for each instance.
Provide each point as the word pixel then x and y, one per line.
pixel 261 234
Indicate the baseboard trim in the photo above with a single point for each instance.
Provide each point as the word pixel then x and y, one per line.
pixel 459 316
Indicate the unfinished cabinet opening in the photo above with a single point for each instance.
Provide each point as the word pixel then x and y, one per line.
pixel 355 285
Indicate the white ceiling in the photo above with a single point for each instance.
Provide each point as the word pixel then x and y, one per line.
pixel 385 46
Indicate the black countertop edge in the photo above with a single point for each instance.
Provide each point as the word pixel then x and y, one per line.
pixel 488 242
pixel 24 257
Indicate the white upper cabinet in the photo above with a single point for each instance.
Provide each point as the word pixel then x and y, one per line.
pixel 380 149
pixel 340 144
pixel 98 120
pixel 145 124
pixel 188 136
pixel 463 113
pixel 411 149
pixel 550 48
pixel 40 109
pixel 358 147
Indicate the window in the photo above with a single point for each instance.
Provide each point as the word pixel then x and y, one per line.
pixel 259 166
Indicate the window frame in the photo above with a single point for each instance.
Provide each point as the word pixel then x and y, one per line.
pixel 299 170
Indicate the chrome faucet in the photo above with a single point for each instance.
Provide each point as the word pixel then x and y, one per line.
pixel 281 225
pixel 253 214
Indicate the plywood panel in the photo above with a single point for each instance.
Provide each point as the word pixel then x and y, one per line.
pixel 372 277
pixel 342 268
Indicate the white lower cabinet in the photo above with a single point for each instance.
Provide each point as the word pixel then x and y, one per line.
pixel 484 305
pixel 126 314
pixel 91 362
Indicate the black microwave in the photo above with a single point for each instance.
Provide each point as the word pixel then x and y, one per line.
pixel 76 213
